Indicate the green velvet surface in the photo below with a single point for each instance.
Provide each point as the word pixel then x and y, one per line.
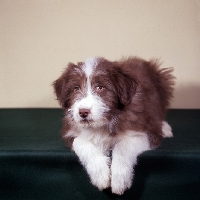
pixel 35 164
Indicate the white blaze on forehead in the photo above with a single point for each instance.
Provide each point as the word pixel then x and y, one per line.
pixel 89 99
pixel 90 65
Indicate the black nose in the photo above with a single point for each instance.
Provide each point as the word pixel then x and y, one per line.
pixel 84 112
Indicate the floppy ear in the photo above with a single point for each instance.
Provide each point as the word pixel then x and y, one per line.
pixel 58 90
pixel 124 83
pixel 60 87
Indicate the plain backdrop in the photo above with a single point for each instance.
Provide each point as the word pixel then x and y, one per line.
pixel 39 37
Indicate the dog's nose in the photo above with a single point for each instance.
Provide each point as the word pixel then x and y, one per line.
pixel 84 112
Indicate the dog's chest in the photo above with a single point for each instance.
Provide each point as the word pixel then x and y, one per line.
pixel 99 137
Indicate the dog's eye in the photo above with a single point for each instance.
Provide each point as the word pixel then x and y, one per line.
pixel 99 88
pixel 76 88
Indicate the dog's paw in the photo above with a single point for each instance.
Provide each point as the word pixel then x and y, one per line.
pixel 121 180
pixel 99 172
pixel 166 130
pixel 102 180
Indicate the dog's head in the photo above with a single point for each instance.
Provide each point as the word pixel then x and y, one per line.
pixel 93 92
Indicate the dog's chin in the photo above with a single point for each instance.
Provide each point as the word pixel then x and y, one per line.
pixel 90 123
pixel 86 122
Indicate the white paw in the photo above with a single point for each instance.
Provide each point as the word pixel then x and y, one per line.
pixel 166 129
pixel 121 180
pixel 99 172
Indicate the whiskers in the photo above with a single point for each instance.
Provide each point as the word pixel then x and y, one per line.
pixel 69 116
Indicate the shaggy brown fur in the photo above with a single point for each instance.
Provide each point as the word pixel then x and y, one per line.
pixel 138 93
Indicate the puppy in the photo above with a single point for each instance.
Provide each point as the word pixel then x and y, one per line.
pixel 114 111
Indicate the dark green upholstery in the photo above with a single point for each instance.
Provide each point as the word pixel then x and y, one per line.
pixel 35 164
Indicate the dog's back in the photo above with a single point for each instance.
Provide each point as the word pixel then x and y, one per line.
pixel 152 97
pixel 150 76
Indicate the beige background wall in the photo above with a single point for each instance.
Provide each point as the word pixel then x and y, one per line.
pixel 39 37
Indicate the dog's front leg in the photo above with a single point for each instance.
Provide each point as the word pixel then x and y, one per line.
pixel 124 158
pixel 94 161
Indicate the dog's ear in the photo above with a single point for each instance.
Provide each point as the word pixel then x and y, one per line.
pixel 124 83
pixel 58 90
pixel 60 87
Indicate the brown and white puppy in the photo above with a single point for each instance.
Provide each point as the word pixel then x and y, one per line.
pixel 114 111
